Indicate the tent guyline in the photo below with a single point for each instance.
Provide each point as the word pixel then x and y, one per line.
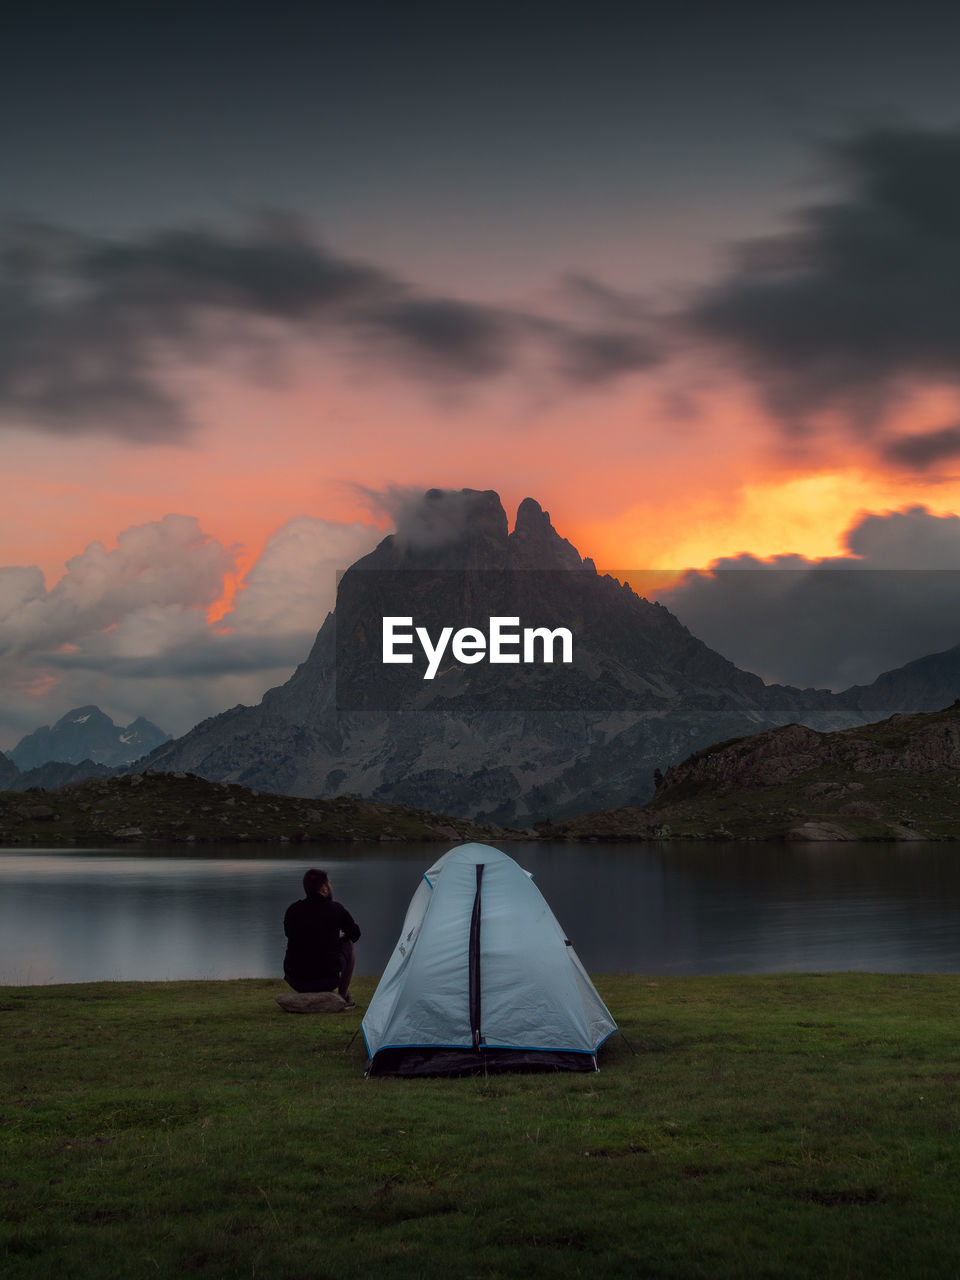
pixel 482 979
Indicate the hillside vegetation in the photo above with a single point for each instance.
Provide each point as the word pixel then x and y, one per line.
pixel 180 808
pixel 898 779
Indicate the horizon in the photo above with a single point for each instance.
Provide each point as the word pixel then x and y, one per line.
pixel 747 610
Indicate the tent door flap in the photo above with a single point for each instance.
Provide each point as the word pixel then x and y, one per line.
pixel 474 979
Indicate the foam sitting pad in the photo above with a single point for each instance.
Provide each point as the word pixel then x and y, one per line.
pixel 311 1002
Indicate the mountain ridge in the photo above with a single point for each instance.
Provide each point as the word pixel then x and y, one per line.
pixel 507 746
pixel 87 733
pixel 895 779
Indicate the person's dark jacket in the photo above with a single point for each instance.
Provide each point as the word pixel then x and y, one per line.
pixel 313 927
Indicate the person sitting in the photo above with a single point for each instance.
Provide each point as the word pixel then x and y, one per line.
pixel 320 936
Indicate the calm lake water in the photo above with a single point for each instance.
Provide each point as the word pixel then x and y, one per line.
pixel 638 908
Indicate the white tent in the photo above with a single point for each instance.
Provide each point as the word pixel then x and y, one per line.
pixel 482 978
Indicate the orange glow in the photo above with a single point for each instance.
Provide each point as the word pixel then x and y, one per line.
pixel 628 479
pixel 232 583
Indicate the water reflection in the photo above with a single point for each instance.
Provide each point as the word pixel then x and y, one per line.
pixel 72 917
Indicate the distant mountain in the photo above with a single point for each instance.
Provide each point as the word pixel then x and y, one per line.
pixel 898 779
pixel 59 773
pixel 9 773
pixel 926 684
pixel 47 777
pixel 86 733
pixel 509 744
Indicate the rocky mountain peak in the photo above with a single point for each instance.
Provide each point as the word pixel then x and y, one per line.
pixel 535 543
pixel 89 715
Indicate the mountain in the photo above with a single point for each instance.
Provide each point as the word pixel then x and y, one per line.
pixel 898 779
pixel 86 733
pixel 49 776
pixel 58 773
pixel 927 684
pixel 9 773
pixel 505 743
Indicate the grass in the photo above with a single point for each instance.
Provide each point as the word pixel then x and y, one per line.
pixel 752 1127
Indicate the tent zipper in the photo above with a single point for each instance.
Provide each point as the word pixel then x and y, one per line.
pixel 475 964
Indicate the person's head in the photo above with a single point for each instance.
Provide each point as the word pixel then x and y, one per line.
pixel 316 884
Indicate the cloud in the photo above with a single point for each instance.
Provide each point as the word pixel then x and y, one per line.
pixel 293 584
pixel 925 449
pixel 832 623
pixel 127 629
pixel 169 562
pixel 434 518
pixel 859 301
pixel 911 539
pixel 91 330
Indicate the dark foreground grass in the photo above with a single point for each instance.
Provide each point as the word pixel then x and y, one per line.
pixel 801 1126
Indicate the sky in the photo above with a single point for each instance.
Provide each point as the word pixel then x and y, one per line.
pixel 691 279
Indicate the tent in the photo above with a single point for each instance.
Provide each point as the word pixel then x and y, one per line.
pixel 482 979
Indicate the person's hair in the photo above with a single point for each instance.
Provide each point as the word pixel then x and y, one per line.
pixel 314 882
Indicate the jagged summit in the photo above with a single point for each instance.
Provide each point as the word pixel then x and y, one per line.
pixel 466 529
pixel 536 544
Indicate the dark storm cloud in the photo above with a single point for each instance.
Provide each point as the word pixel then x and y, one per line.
pixel 601 355
pixel 276 271
pixel 444 335
pixel 838 621
pixel 90 328
pixel 862 297
pixel 925 450
pixel 69 359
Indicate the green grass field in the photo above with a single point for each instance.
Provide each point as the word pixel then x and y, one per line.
pixel 798 1126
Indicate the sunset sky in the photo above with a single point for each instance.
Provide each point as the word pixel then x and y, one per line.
pixel 690 278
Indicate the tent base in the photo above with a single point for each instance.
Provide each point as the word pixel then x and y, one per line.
pixel 469 1062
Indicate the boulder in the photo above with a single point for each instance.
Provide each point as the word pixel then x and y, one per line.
pixel 820 831
pixel 311 1002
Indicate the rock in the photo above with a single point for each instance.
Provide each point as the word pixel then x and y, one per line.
pixel 311 1002
pixel 819 831
pixel 127 833
pixel 901 831
pixel 41 813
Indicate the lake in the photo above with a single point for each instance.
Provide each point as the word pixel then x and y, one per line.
pixel 632 908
